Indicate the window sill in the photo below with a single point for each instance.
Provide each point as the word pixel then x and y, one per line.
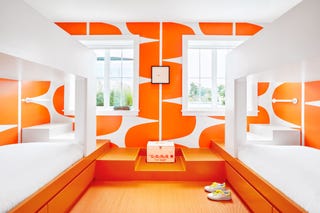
pixel 203 112
pixel 110 112
pixel 118 112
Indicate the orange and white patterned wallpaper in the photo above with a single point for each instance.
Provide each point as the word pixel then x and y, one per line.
pixel 191 131
pixel 45 104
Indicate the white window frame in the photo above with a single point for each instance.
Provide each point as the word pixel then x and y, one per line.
pixel 209 42
pixel 114 42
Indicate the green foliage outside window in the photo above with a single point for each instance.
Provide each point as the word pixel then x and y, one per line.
pixel 118 98
pixel 221 95
pixel 204 94
pixel 99 99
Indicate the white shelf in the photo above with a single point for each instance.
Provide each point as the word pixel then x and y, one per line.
pixel 48 132
pixel 273 134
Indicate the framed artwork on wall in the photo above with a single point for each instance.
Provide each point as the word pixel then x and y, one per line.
pixel 160 75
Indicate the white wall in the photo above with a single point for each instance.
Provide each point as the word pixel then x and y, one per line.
pixel 33 48
pixel 289 40
pixel 28 35
pixel 285 50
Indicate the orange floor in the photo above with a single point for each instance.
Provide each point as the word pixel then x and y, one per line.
pixel 153 196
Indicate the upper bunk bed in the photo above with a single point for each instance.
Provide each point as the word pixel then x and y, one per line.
pixel 33 48
pixel 286 50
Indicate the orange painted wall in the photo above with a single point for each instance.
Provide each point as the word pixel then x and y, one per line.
pixel 174 125
pixel 8 110
pixel 312 114
pixel 9 101
pixel 31 113
pixel 291 113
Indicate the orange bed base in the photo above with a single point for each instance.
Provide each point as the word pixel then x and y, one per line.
pixel 61 193
pixel 256 192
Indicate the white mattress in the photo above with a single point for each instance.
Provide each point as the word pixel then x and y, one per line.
pixel 294 170
pixel 25 168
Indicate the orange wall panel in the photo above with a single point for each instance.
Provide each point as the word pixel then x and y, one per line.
pixel 209 28
pixel 288 111
pixel 108 124
pixel 261 118
pixel 312 118
pixel 32 113
pixel 99 28
pixel 312 114
pixel 34 88
pixel 262 87
pixel 247 29
pixel 73 28
pixel 139 135
pixel 9 101
pixel 213 133
pixel 174 124
pixel 149 56
pixel 9 136
pixel 58 100
pixel 172 39
pixel 174 89
pixel 149 101
pixel 148 30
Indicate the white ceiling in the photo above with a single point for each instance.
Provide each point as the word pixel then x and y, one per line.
pixel 255 11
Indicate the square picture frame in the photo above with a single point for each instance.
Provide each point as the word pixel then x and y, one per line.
pixel 160 74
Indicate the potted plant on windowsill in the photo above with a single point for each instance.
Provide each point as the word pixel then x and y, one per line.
pixel 121 107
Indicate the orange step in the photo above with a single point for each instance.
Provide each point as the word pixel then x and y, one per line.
pixel 190 165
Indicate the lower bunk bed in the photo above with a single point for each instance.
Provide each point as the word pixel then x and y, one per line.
pixel 260 193
pixel 44 177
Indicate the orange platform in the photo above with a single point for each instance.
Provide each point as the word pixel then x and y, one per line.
pixel 190 165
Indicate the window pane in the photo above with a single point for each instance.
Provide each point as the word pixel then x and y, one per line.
pixel 100 53
pixel 115 54
pixel 221 62
pixel 206 90
pixel 121 92
pixel 100 69
pixel 205 63
pixel 193 63
pixel 127 54
pixel 127 92
pixel 120 69
pixel 221 95
pixel 100 92
pixel 193 90
pixel 127 69
pixel 115 92
pixel 115 69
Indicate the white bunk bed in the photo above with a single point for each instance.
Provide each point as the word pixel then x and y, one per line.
pixel 46 176
pixel 25 168
pixel 291 169
pixel 280 52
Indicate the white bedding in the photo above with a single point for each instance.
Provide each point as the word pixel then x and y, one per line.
pixel 294 170
pixel 25 168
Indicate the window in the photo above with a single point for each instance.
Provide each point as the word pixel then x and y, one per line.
pixel 116 74
pixel 204 66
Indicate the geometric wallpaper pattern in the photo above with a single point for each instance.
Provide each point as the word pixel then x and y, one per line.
pixel 46 103
pixel 190 131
